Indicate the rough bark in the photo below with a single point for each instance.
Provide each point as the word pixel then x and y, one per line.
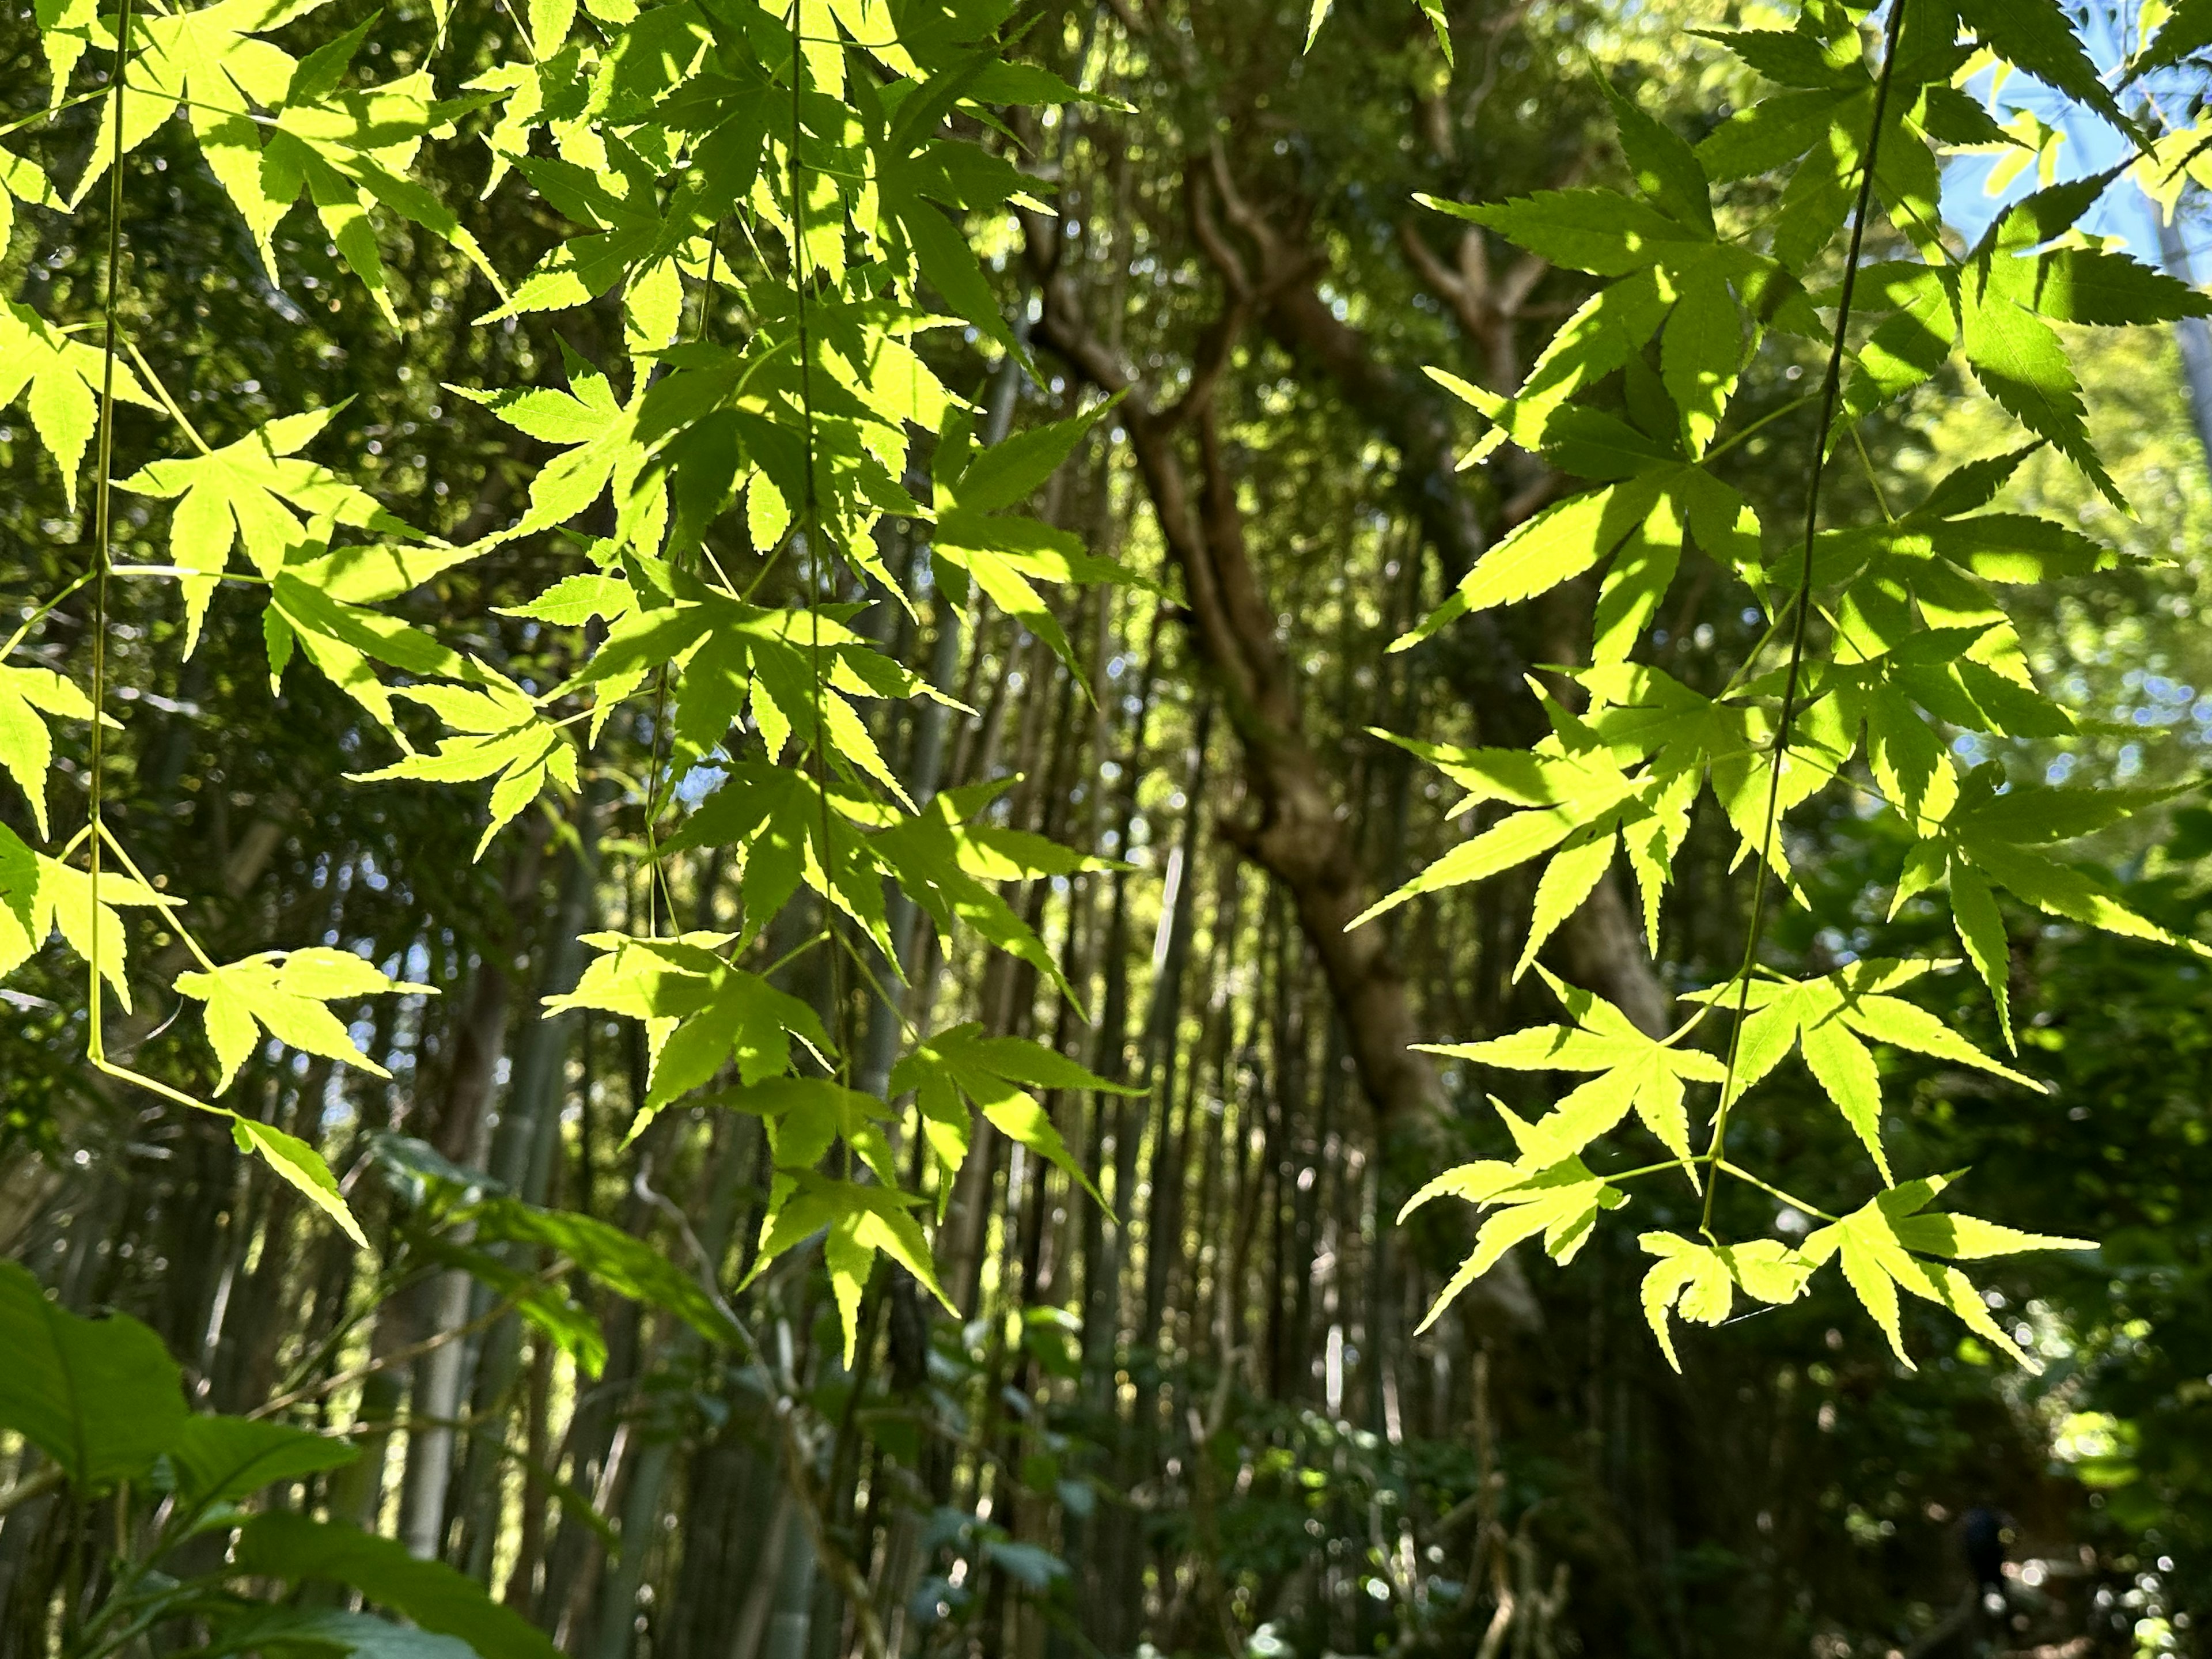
pixel 1598 946
pixel 1295 832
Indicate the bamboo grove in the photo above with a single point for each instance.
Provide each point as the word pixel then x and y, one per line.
pixel 778 779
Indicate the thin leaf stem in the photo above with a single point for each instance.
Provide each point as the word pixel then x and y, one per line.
pixel 20 121
pixel 138 876
pixel 1642 1169
pixel 1874 481
pixel 1831 391
pixel 104 527
pixel 243 578
pixel 1765 420
pixel 1770 1188
pixel 107 1068
pixel 176 411
pixel 657 782
pixel 876 986
pixel 38 616
pixel 793 955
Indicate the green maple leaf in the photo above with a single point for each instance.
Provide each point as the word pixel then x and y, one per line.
pixel 1561 1202
pixel 209 63
pixel 2038 37
pixel 22 179
pixel 347 150
pixel 622 202
pixel 805 1117
pixel 39 896
pixel 64 376
pixel 1008 556
pixel 1991 839
pixel 1585 789
pixel 1596 230
pixel 961 1069
pixel 301 1165
pixel 775 815
pixel 2187 31
pixel 597 438
pixel 735 657
pixel 1658 492
pixel 1832 1021
pixel 1699 1281
pixel 858 1224
pixel 497 732
pixel 946 860
pixel 350 152
pixel 245 494
pixel 1635 1070
pixel 700 1013
pixel 1667 169
pixel 1887 1245
pixel 1560 794
pixel 288 993
pixel 26 748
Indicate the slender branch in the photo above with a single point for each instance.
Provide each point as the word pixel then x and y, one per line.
pixel 1831 391
pixel 31 1487
pixel 104 526
pixel 414 1351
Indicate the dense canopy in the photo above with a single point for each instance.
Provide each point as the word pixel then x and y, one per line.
pixel 897 827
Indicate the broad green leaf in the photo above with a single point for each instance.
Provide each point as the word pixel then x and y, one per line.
pixel 219 1459
pixel 101 1397
pixel 293 1548
pixel 566 1323
pixel 265 1629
